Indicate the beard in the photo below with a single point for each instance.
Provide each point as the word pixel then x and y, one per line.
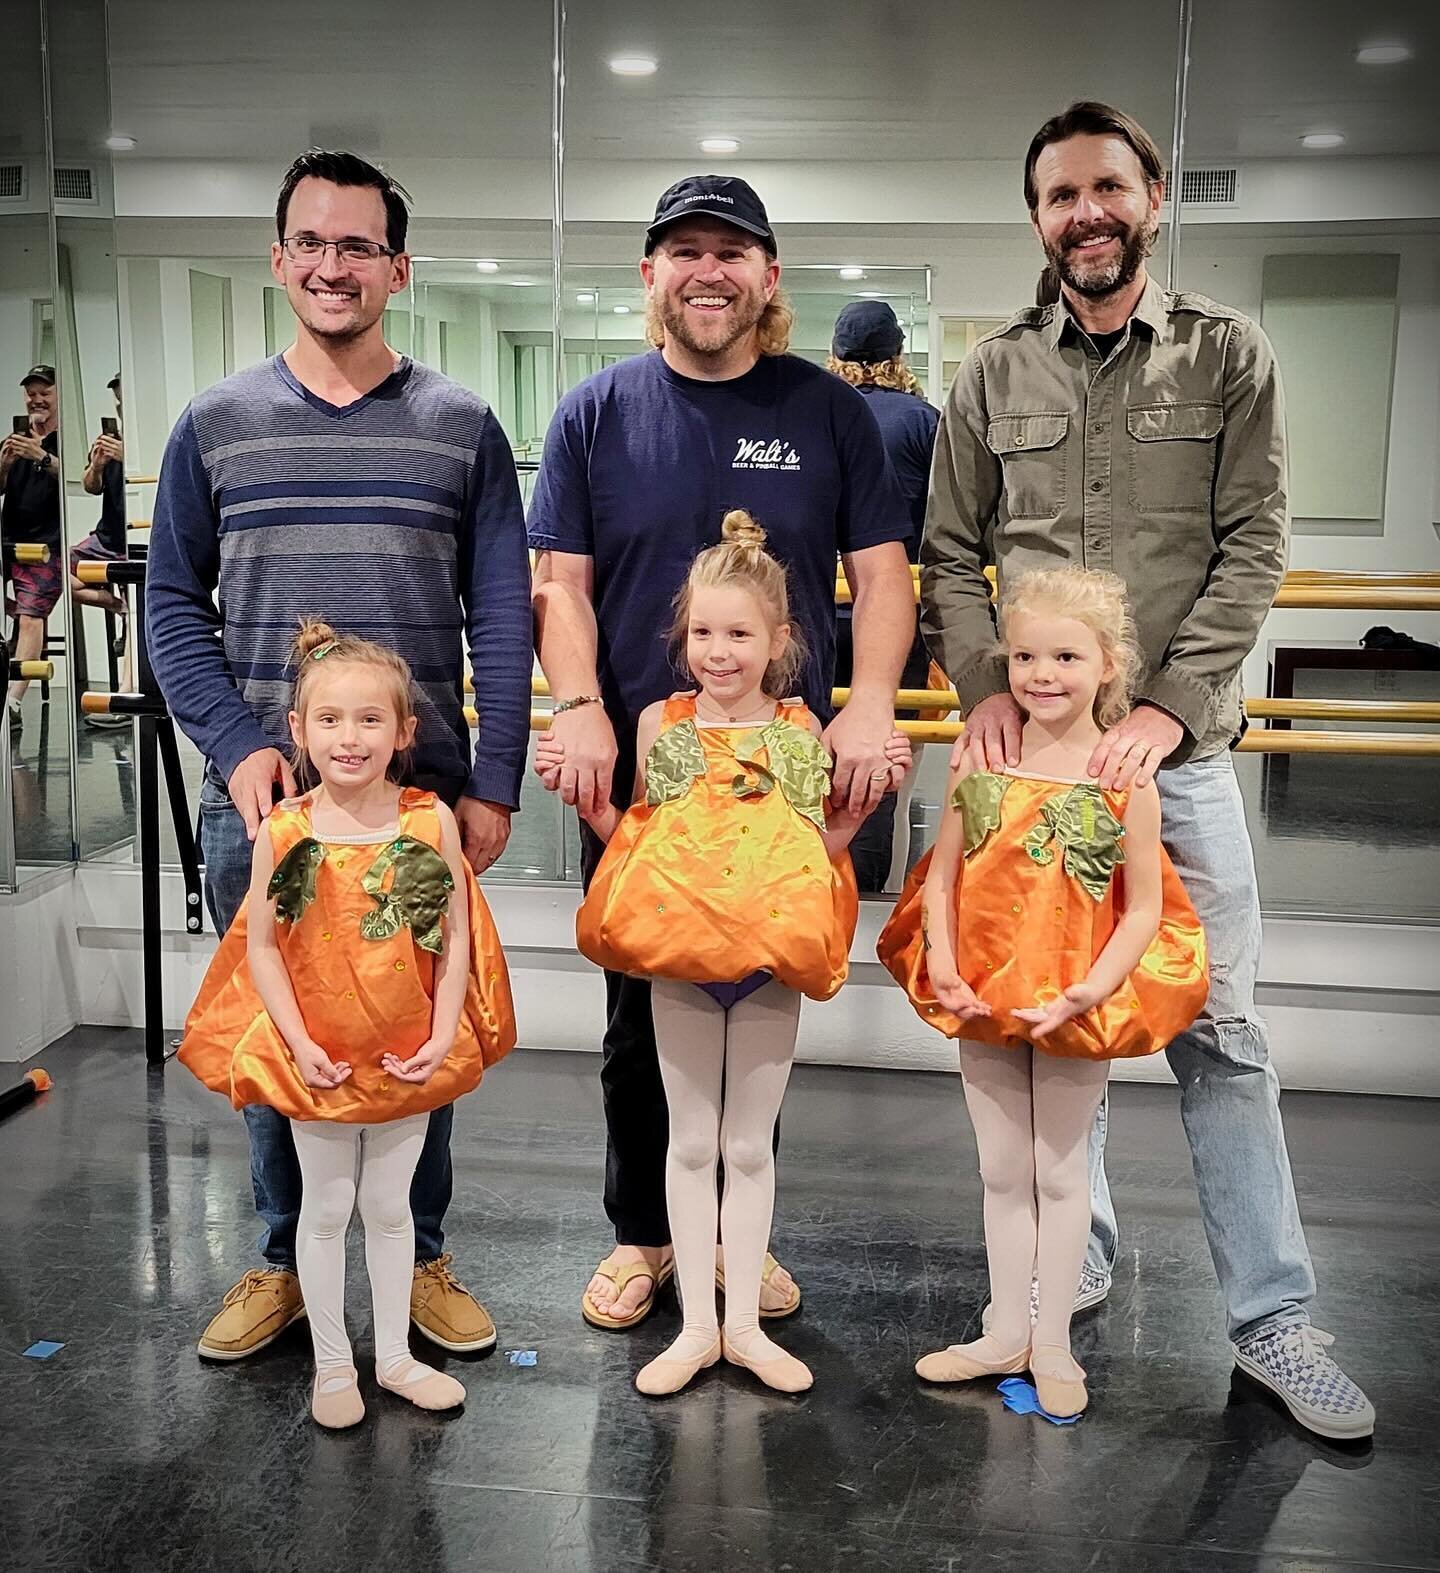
pixel 355 324
pixel 707 337
pixel 1097 279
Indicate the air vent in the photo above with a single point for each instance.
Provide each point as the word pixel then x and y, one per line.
pixel 1213 187
pixel 12 183
pixel 74 183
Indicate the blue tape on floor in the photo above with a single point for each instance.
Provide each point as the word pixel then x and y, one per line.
pixel 43 1349
pixel 1020 1398
pixel 522 1357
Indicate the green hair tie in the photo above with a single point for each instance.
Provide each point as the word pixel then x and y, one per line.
pixel 322 650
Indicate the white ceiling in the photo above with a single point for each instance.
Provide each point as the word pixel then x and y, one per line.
pixel 871 80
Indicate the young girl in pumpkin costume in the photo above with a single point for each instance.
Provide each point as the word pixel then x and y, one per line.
pixel 1047 930
pixel 360 986
pixel 727 884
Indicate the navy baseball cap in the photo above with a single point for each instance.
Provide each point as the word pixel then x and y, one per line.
pixel 717 196
pixel 867 330
pixel 39 374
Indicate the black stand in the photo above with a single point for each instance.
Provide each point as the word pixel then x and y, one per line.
pixel 158 749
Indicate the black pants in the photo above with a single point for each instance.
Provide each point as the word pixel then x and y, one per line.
pixel 637 1118
pixel 874 842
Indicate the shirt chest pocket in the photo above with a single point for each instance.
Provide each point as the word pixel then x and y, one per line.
pixel 1172 455
pixel 1031 449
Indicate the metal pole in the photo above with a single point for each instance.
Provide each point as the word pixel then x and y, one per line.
pixel 557 195
pixel 1177 146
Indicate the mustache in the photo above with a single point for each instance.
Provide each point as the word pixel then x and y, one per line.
pixel 1075 237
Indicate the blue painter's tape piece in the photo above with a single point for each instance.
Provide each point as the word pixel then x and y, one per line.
pixel 1020 1398
pixel 522 1357
pixel 43 1349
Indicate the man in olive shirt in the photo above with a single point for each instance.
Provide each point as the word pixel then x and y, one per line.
pixel 1131 429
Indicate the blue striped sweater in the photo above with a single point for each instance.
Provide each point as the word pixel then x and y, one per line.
pixel 397 517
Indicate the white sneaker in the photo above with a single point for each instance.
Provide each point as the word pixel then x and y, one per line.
pixel 1291 1361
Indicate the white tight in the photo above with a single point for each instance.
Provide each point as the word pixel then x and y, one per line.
pixel 338 1163
pixel 725 1074
pixel 1032 1114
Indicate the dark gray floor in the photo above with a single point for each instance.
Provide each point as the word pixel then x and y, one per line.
pixel 128 1214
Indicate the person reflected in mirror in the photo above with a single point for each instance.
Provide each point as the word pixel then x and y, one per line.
pixel 30 515
pixel 340 479
pixel 867 349
pixel 1142 431
pixel 104 477
pixel 641 462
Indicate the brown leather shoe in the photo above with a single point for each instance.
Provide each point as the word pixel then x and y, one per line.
pixel 446 1312
pixel 253 1314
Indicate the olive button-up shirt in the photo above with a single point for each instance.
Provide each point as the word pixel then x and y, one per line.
pixel 1163 463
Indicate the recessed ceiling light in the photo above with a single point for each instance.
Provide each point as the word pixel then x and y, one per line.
pixel 487 267
pixel 119 143
pixel 523 283
pixel 719 145
pixel 852 272
pixel 585 298
pixel 633 65
pixel 1383 54
pixel 869 294
pixel 1321 139
pixel 621 311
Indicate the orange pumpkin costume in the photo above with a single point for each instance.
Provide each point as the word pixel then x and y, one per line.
pixel 1038 897
pixel 359 927
pixel 721 871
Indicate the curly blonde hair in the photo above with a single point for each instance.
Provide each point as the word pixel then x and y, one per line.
pixel 774 327
pixel 893 374
pixel 740 560
pixel 317 644
pixel 1091 597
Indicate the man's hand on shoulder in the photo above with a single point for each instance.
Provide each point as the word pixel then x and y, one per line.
pixel 1133 750
pixel 484 830
pixel 991 739
pixel 252 786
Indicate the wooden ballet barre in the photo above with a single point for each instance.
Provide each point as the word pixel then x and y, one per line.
pixel 1310 596
pixel 31 552
pixel 120 570
pixel 1413 745
pixel 32 671
pixel 122 704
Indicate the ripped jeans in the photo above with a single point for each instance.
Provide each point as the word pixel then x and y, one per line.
pixel 1229 1092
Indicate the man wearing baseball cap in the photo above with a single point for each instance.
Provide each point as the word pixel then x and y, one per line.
pixel 30 513
pixel 642 461
pixel 867 350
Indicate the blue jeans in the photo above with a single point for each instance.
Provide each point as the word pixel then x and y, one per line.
pixel 274 1169
pixel 1229 1092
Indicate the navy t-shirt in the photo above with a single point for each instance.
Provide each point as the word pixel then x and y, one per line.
pixel 907 425
pixel 642 464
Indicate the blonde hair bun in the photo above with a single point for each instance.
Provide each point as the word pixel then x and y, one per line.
pixel 313 633
pixel 737 528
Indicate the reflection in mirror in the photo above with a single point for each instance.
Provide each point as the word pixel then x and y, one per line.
pixel 92 418
pixel 1304 210
pixel 35 792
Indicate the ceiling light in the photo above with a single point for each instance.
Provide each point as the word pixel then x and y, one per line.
pixel 869 294
pixel 633 65
pixel 487 267
pixel 586 297
pixel 852 272
pixel 719 145
pixel 119 143
pixel 1383 54
pixel 1321 139
pixel 621 311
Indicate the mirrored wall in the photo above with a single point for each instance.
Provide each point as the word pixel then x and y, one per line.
pixel 887 143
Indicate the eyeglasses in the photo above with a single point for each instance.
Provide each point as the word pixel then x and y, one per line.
pixel 310 248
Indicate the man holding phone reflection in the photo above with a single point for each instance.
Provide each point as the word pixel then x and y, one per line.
pixel 30 514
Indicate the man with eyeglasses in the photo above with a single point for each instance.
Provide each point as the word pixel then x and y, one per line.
pixel 343 481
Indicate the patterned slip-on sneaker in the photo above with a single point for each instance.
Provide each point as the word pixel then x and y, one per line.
pixel 253 1314
pixel 446 1312
pixel 1291 1361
